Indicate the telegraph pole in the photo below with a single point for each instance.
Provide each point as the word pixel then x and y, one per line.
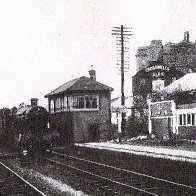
pixel 122 38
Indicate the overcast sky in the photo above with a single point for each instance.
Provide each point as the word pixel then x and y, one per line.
pixel 44 43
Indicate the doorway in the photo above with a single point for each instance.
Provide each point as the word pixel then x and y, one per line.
pixel 93 133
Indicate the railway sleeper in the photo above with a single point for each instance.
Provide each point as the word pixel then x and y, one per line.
pixel 108 190
pixel 18 187
pixel 8 188
pixel 166 190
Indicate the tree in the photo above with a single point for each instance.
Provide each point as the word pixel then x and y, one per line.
pixel 136 126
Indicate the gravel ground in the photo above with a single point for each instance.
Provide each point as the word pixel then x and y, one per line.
pixel 43 176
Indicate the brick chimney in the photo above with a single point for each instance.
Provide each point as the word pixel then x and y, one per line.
pixel 34 102
pixel 92 73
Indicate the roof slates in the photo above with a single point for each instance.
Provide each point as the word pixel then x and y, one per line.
pixel 80 84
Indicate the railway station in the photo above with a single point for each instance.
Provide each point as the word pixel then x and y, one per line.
pixel 124 126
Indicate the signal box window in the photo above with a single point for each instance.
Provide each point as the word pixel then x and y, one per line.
pixel 84 102
pixel 58 104
pixel 52 106
pixel 81 102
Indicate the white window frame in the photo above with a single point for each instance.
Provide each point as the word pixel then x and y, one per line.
pixel 188 123
pixel 179 120
pixel 193 116
pixel 75 99
pixel 58 104
pixel 51 106
pixel 185 119
pixel 66 103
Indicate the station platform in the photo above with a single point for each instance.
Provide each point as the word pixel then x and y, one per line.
pixel 152 151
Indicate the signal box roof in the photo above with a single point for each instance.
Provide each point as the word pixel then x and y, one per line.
pixel 80 84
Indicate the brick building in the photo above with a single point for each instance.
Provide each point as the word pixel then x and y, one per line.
pixel 173 109
pixel 180 55
pixel 159 65
pixel 80 110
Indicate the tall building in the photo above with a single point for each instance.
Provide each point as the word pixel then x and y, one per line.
pixel 159 65
pixel 180 55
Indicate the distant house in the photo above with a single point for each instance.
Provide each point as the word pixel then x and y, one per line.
pixel 80 110
pixel 116 108
pixel 173 109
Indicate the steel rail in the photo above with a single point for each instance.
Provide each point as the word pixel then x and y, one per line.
pixel 129 171
pixel 21 178
pixel 102 177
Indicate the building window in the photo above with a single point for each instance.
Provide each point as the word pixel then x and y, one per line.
pixel 81 102
pixel 94 103
pixel 74 102
pixel 84 102
pixel 193 119
pixel 188 119
pixel 78 102
pixel 62 102
pixel 184 119
pixel 52 106
pixel 88 103
pixel 180 119
pixel 158 85
pixel 64 106
pixel 58 104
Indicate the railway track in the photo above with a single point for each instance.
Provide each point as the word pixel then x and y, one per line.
pixel 102 179
pixel 12 184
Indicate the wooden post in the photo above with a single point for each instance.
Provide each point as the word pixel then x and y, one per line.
pixel 121 34
pixel 123 114
pixel 174 117
pixel 149 118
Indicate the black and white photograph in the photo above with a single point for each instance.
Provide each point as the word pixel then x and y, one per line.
pixel 97 97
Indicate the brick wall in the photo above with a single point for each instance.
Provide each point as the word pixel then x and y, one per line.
pixel 74 126
pixel 160 127
pixel 102 118
pixel 179 55
pixel 188 132
pixel 148 53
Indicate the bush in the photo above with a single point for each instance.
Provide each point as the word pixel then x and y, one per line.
pixel 136 126
pixel 7 140
pixel 114 131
